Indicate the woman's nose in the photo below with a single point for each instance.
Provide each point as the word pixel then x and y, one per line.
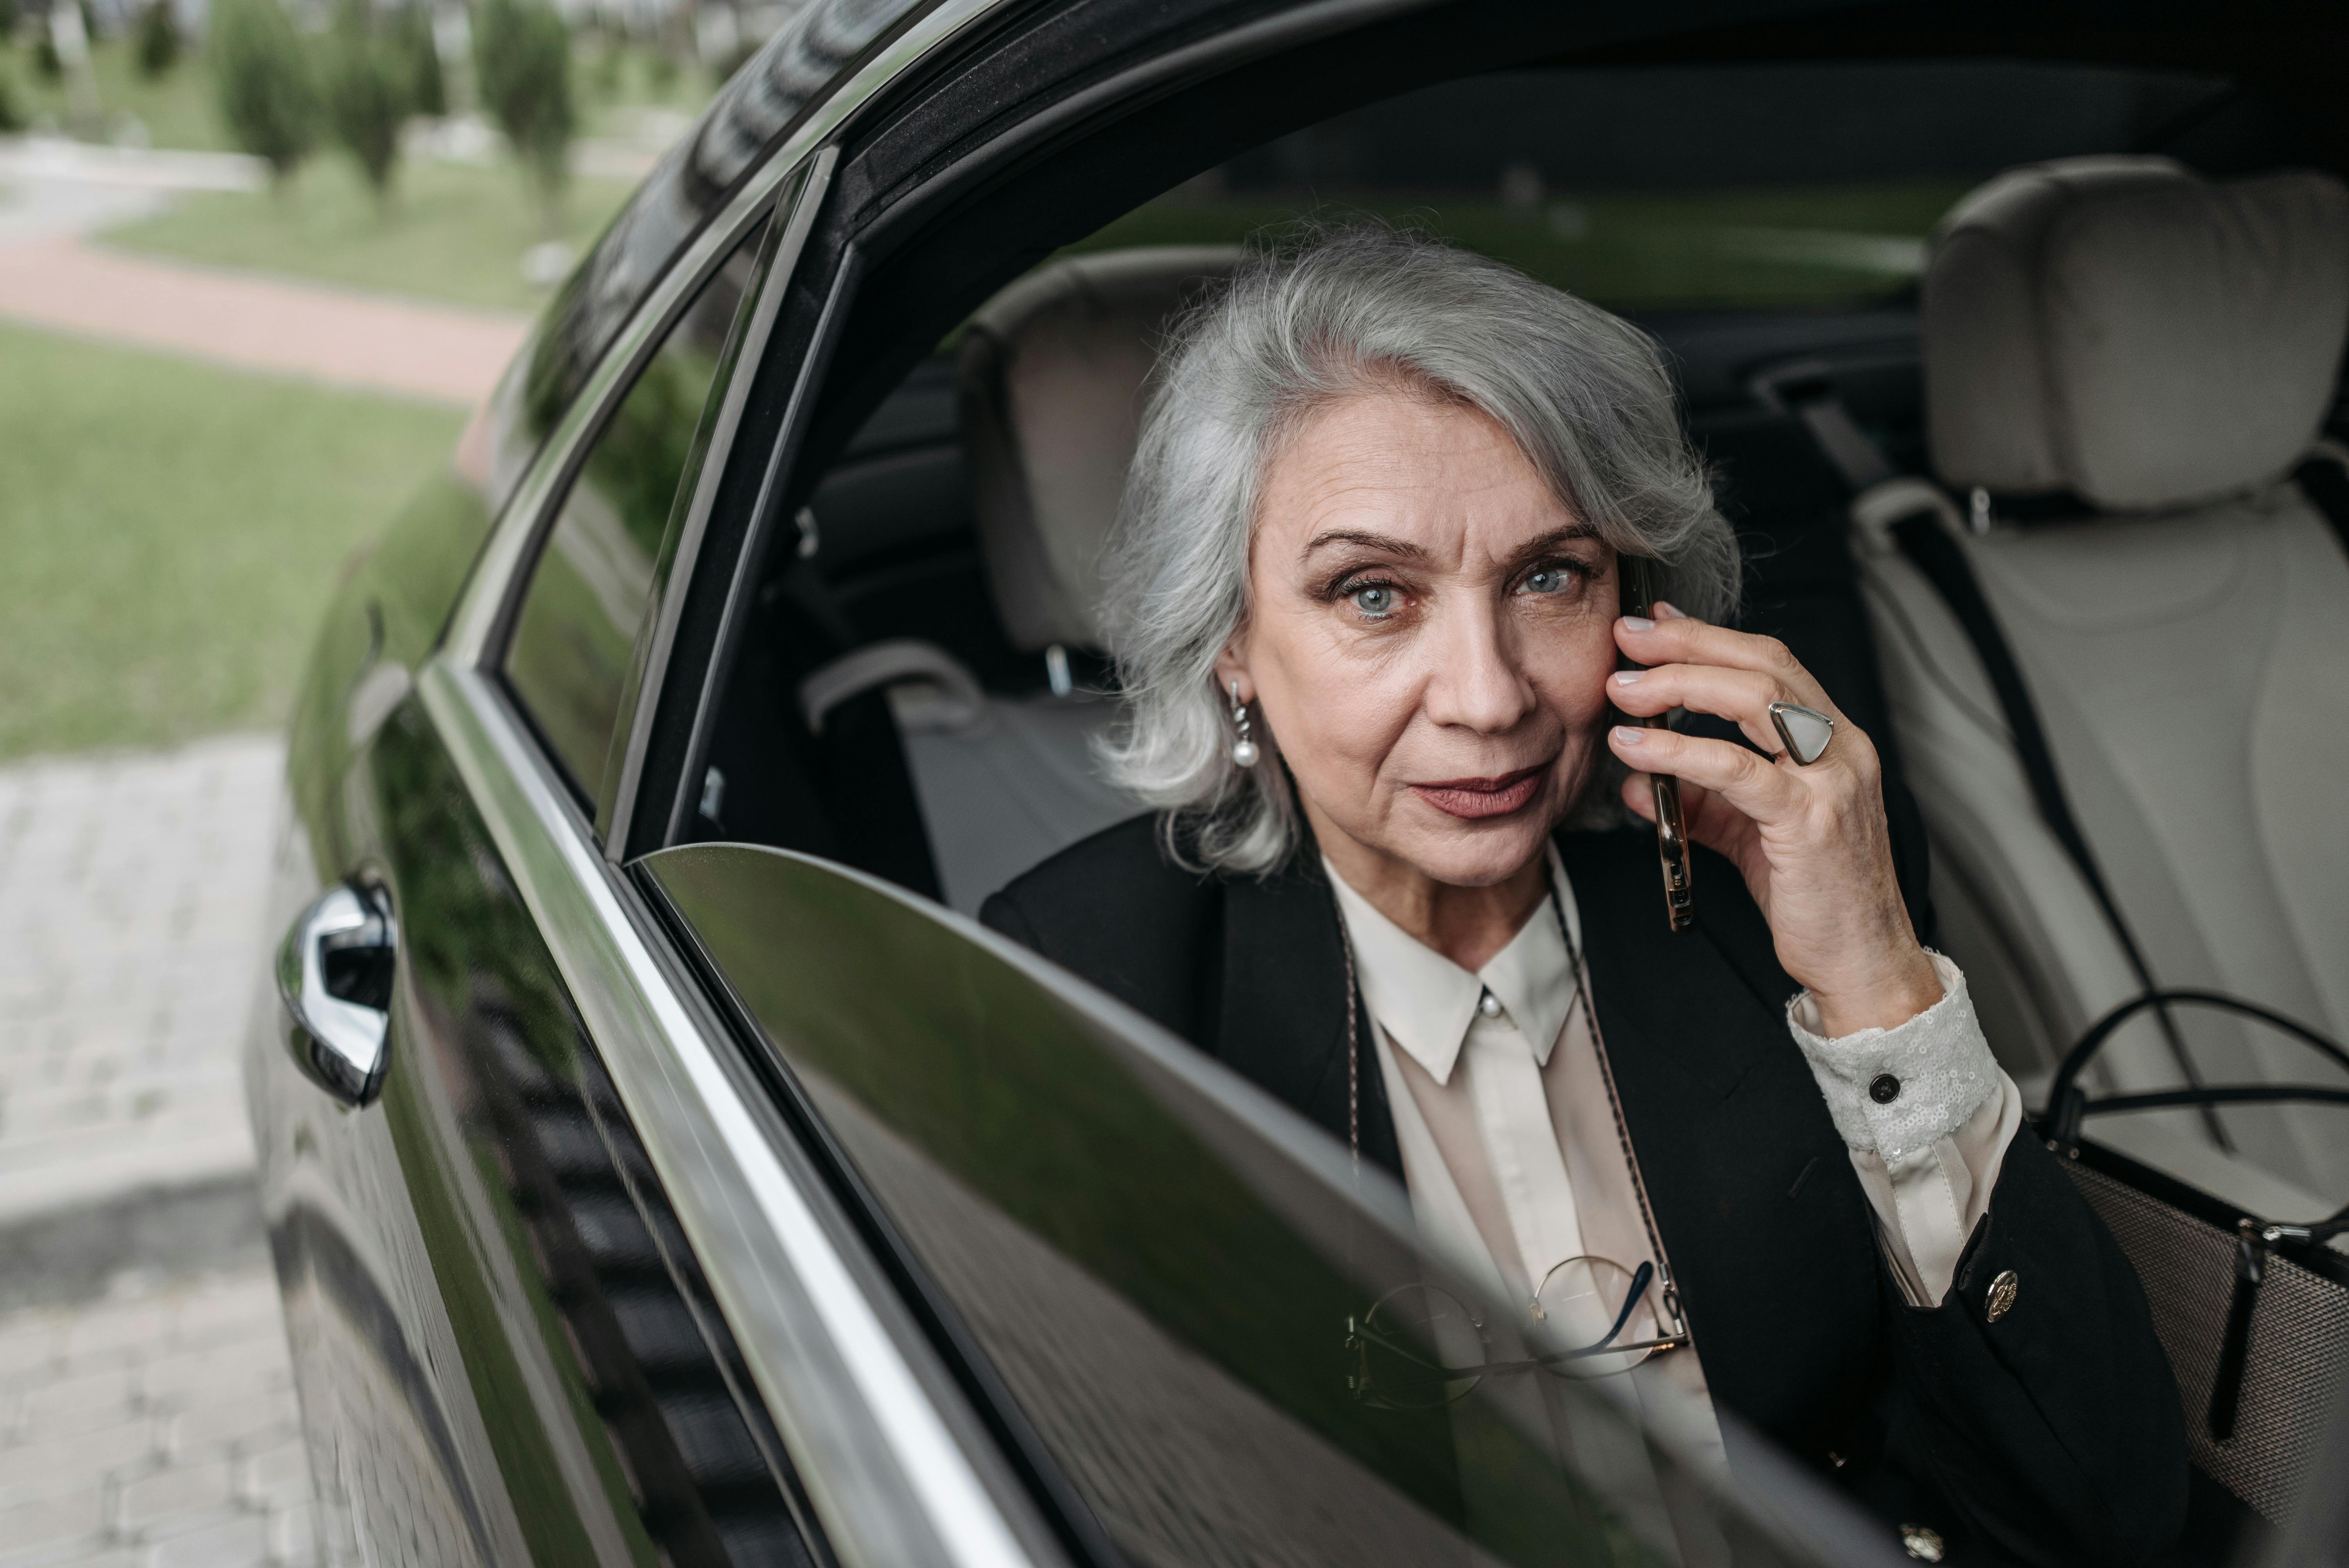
pixel 1475 681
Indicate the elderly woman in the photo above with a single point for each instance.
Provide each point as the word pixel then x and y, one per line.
pixel 1366 596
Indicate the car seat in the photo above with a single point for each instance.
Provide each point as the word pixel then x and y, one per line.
pixel 2125 366
pixel 1051 372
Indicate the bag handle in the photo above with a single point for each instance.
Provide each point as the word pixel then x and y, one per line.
pixel 2068 1104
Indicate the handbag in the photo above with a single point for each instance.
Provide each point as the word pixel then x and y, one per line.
pixel 2253 1312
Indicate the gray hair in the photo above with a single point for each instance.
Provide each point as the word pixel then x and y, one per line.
pixel 1584 392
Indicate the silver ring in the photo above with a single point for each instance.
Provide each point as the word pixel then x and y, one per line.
pixel 1805 730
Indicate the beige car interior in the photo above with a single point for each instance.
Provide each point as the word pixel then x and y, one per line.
pixel 1052 375
pixel 2124 365
pixel 2161 351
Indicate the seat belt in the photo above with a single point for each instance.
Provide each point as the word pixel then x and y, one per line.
pixel 1941 561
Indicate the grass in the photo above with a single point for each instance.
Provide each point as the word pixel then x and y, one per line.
pixel 454 233
pixel 614 84
pixel 169 533
pixel 175 109
pixel 1800 246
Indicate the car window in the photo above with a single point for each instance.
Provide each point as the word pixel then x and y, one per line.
pixel 810 47
pixel 1216 1332
pixel 580 614
pixel 1748 190
pixel 1654 187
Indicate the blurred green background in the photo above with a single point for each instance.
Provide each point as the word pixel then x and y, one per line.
pixel 170 525
pixel 170 522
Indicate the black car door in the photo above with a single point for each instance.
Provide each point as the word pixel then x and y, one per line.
pixel 507 1347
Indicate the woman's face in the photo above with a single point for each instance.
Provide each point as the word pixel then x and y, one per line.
pixel 1430 636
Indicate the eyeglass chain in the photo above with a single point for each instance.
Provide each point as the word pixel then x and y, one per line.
pixel 1606 1071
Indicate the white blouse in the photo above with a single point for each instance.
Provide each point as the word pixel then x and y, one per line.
pixel 1512 1153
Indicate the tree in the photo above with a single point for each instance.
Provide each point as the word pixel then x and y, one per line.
pixel 268 89
pixel 368 83
pixel 610 61
pixel 159 39
pixel 428 89
pixel 46 64
pixel 523 62
pixel 11 113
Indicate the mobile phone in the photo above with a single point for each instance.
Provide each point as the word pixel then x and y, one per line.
pixel 1637 597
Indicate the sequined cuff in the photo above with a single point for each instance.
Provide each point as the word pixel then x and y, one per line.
pixel 1895 1091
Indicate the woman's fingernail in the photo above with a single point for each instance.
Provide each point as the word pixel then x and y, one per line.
pixel 1628 678
pixel 1668 611
pixel 1628 735
pixel 1640 623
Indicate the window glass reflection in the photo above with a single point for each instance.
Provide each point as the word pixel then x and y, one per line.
pixel 588 596
pixel 1174 1295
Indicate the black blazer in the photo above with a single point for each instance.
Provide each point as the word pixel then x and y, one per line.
pixel 2053 1436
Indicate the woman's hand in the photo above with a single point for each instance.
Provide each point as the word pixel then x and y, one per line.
pixel 1810 841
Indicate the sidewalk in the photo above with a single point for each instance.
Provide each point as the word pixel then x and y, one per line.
pixel 156 1429
pixel 342 339
pixel 58 192
pixel 146 1405
pixel 131 894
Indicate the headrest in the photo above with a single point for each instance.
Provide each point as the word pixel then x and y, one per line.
pixel 2123 329
pixel 1053 371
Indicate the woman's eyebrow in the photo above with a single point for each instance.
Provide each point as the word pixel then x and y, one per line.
pixel 1534 549
pixel 1403 548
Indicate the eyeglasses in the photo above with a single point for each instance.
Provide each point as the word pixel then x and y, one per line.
pixel 1420 1346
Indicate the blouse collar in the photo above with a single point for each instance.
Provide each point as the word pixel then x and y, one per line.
pixel 1427 1004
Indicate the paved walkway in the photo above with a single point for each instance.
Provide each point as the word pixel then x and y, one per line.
pixel 155 1428
pixel 131 892
pixel 146 1411
pixel 327 335
pixel 58 192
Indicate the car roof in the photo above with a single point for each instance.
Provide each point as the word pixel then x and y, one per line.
pixel 823 41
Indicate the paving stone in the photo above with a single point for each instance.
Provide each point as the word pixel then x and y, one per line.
pixel 152 1500
pixel 133 890
pixel 132 896
pixel 138 1326
pixel 277 1476
pixel 227 1419
pixel 28 1350
pixel 257 1360
pixel 48 1466
pixel 26 1528
pixel 78 1404
pixel 294 1535
pixel 236 1541
pixel 226 1310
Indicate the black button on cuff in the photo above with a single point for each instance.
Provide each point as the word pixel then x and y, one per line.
pixel 1884 1089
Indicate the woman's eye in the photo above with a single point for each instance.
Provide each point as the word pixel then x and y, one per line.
pixel 1377 600
pixel 1549 579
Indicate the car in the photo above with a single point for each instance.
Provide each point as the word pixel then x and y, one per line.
pixel 660 1162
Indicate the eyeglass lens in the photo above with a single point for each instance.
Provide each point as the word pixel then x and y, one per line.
pixel 1420 1346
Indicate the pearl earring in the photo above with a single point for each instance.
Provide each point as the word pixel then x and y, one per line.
pixel 1243 749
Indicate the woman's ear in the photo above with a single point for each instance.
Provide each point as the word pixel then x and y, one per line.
pixel 1230 668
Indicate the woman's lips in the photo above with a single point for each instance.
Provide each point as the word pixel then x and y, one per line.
pixel 1475 797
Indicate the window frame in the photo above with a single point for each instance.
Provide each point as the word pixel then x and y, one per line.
pixel 798 191
pixel 801 194
pixel 895 1465
pixel 949 141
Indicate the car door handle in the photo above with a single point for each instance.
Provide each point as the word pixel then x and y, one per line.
pixel 335 972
